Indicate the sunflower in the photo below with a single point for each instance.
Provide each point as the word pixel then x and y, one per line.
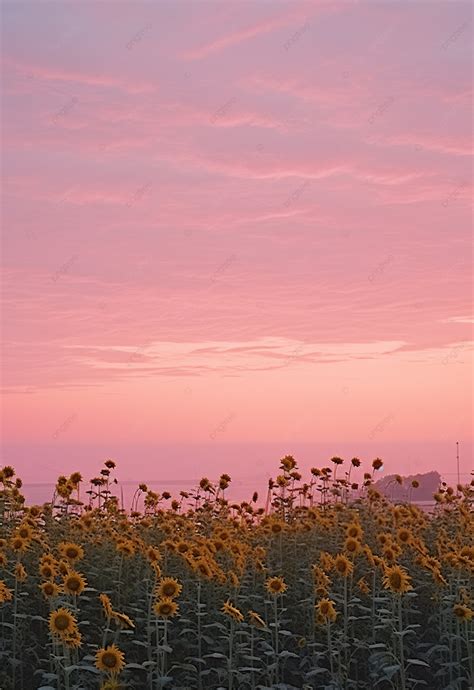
pixel 325 608
pixel 111 660
pixel 397 580
pixel 230 610
pixel 72 552
pixel 3 559
pixel 156 568
pixel 319 576
pixel 47 571
pixel 24 531
pixel 168 588
pixel 112 684
pixel 123 621
pixel 106 605
pixel 20 572
pixel 5 593
pixel 201 566
pixel 182 546
pixel 165 608
pixel 153 554
pixel 49 589
pixel 62 622
pixel 233 579
pixel 74 640
pixel 223 535
pixel 354 530
pixel 256 620
pixel 363 586
pixel 276 527
pixel 352 546
pixel 218 544
pixel 404 535
pixel 342 565
pixel 74 583
pixel 463 612
pixel 126 547
pixel 19 544
pixel 384 538
pixel 326 560
pixel 276 585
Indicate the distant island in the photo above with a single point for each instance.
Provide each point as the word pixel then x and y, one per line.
pixel 428 484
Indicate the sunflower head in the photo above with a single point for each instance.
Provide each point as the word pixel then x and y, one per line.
pixel 73 640
pixel 165 608
pixel 47 571
pixel 354 530
pixel 396 580
pixel 463 612
pixel 201 566
pixel 24 531
pixel 122 620
pixel 232 611
pixel 106 605
pixel 19 544
pixel 49 589
pixel 404 535
pixel 74 583
pixel 343 565
pixel 110 660
pixel 168 588
pixel 325 609
pixel 352 546
pixel 363 586
pixel 276 585
pixel 256 620
pixel 153 554
pixel 71 552
pixel 276 527
pixel 6 594
pixel 62 622
pixel 20 572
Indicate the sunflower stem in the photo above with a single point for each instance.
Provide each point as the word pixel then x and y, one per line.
pixel 331 663
pixel 199 633
pixel 277 653
pixel 402 651
pixel 231 646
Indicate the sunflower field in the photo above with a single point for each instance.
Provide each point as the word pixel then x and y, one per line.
pixel 327 584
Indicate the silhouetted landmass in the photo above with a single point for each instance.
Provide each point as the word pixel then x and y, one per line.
pixel 428 485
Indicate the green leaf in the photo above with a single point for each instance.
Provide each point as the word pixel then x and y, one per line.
pixel 390 671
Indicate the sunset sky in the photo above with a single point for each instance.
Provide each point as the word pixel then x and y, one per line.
pixel 233 231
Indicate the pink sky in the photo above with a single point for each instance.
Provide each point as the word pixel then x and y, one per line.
pixel 234 231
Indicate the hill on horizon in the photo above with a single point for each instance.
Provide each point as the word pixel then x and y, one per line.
pixel 429 483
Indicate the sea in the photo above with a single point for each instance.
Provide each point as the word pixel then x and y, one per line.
pixel 239 490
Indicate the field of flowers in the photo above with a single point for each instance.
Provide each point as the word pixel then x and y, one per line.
pixel 327 585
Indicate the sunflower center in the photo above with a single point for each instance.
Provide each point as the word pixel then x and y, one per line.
pixel 109 659
pixel 73 583
pixel 62 622
pixel 395 580
pixel 169 590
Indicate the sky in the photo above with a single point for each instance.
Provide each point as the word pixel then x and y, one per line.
pixel 236 230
